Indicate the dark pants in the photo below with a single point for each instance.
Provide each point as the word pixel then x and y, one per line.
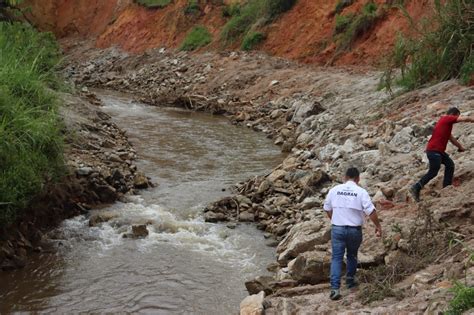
pixel 436 159
pixel 344 239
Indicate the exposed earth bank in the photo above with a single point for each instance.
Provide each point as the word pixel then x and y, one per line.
pixel 304 33
pixel 327 119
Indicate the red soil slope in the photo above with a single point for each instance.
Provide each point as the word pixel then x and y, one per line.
pixel 304 33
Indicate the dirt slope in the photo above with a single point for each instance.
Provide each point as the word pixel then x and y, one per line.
pixel 305 33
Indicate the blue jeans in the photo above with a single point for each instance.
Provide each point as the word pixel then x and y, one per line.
pixel 436 159
pixel 342 238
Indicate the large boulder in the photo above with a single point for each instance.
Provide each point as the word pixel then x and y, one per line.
pixel 401 142
pixel 253 304
pixel 302 238
pixel 310 267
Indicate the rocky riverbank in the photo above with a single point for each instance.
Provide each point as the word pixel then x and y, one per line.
pixel 327 119
pixel 100 168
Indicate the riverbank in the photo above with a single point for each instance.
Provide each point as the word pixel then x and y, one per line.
pixel 327 119
pixel 101 169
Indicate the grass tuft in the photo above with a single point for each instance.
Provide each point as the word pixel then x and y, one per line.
pixel 192 8
pixel 154 4
pixel 251 40
pixel 350 27
pixel 198 37
pixel 253 14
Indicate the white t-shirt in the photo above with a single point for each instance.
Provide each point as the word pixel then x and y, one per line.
pixel 348 203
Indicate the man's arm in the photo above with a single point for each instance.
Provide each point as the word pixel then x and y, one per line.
pixel 465 119
pixel 329 213
pixel 456 143
pixel 375 219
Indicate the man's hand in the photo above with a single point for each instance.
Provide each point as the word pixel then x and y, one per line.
pixel 378 231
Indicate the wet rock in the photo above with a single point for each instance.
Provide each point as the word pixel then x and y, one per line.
pixel 139 231
pixel 214 217
pixel 302 238
pixel 310 267
pixel 140 181
pixel 246 217
pixel 101 217
pixel 106 193
pixel 253 304
pixel 260 283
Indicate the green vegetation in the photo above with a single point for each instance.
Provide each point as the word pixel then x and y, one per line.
pixel 30 129
pixel 154 3
pixel 251 40
pixel 231 10
pixel 192 7
pixel 343 22
pixel 350 27
pixel 253 14
pixel 441 50
pixel 463 299
pixel 341 4
pixel 199 36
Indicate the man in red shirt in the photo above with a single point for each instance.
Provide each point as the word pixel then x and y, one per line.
pixel 435 150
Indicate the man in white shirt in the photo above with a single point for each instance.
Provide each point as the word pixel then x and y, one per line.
pixel 347 205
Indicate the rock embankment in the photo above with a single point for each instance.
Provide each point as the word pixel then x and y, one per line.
pixel 100 164
pixel 328 120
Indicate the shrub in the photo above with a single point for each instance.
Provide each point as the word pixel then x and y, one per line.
pixel 231 10
pixel 152 4
pixel 251 15
pixel 192 7
pixel 199 36
pixel 463 299
pixel 30 129
pixel 341 4
pixel 358 25
pixel 441 50
pixel 343 22
pixel 251 40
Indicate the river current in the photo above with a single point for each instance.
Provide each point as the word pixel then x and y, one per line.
pixel 185 266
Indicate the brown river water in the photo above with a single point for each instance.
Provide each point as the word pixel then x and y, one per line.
pixel 185 266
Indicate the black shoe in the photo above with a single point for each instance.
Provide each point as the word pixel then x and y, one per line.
pixel 415 192
pixel 351 282
pixel 335 295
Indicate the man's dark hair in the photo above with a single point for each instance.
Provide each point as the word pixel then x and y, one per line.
pixel 352 173
pixel 453 111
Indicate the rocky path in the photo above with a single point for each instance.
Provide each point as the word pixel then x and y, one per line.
pixel 327 119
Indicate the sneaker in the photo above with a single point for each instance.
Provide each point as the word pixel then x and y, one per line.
pixel 351 283
pixel 335 295
pixel 415 192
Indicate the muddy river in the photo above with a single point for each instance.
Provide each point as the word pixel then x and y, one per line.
pixel 185 266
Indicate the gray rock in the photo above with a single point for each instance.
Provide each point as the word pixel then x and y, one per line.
pixel 310 267
pixel 214 217
pixel 84 171
pixel 302 238
pixel 260 283
pixel 305 109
